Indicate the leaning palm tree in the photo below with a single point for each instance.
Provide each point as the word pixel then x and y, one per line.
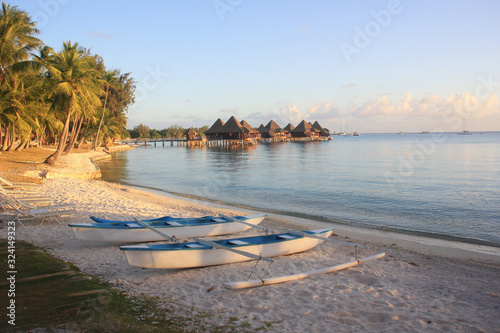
pixel 74 85
pixel 17 40
pixel 111 80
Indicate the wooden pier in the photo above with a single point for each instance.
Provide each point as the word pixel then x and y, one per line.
pixel 188 143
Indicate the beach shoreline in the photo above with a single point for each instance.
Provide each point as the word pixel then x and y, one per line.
pixel 419 244
pixel 421 285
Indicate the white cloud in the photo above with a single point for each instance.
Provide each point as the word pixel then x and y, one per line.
pixel 292 113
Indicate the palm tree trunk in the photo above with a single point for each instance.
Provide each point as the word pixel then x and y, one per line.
pixel 23 144
pixel 52 159
pixel 71 136
pixel 74 135
pixel 102 117
pixel 1 138
pixel 6 139
pixel 12 139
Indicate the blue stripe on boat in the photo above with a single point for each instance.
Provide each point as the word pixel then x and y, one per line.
pixel 250 241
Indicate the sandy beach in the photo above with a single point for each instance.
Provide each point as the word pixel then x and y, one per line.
pixel 422 285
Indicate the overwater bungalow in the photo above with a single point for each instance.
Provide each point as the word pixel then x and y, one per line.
pixel 289 127
pixel 234 130
pixel 252 132
pixel 304 131
pixel 212 132
pixel 191 134
pixel 272 132
pixel 322 131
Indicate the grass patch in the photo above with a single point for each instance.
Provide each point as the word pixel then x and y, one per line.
pixel 53 294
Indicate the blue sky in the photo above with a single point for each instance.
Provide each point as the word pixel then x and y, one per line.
pixel 374 66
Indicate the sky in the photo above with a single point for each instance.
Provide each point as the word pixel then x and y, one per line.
pixel 368 66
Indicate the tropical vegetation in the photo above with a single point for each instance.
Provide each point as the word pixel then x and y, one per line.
pixel 47 97
pixel 174 131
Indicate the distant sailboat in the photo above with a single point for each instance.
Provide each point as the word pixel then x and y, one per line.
pixel 401 132
pixel 464 132
pixel 424 131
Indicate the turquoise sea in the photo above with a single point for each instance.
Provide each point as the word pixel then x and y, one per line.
pixel 440 185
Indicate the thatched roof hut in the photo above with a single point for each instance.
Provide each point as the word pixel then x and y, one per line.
pixel 289 127
pixel 214 129
pixel 251 132
pixel 323 131
pixel 304 129
pixel 191 134
pixel 232 130
pixel 272 130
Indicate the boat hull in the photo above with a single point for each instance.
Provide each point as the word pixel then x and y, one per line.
pixel 183 256
pixel 134 233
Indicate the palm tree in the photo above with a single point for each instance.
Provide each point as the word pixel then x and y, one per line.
pixel 75 87
pixel 17 39
pixel 111 80
pixel 21 107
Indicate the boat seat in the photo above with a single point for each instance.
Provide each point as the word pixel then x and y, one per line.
pixel 173 223
pixel 286 236
pixel 195 246
pixel 237 242
pixel 218 220
pixel 133 225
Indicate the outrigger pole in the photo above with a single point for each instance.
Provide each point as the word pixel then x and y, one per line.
pixel 145 225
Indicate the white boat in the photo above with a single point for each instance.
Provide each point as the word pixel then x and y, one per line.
pixel 205 253
pixel 133 232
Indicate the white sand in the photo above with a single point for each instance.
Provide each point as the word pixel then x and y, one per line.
pixel 421 285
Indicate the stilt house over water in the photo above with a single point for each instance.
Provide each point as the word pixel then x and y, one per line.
pixel 304 131
pixel 234 130
pixel 322 131
pixel 252 132
pixel 272 132
pixel 289 127
pixel 212 132
pixel 191 134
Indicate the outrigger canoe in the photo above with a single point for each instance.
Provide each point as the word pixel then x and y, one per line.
pixel 133 232
pixel 208 253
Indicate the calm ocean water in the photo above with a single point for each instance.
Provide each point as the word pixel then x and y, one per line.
pixel 441 185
